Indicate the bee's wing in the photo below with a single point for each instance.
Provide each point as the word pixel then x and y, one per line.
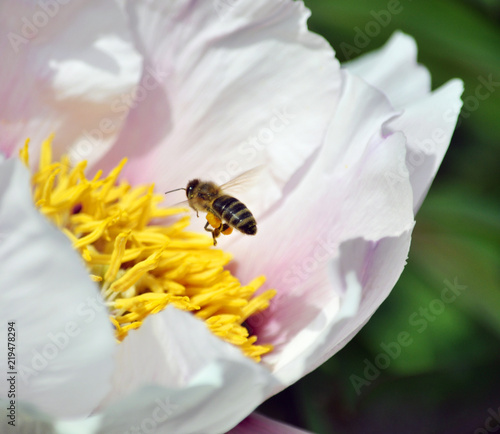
pixel 244 181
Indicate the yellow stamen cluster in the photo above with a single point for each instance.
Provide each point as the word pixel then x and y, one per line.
pixel 141 255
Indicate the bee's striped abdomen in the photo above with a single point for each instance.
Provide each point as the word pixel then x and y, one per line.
pixel 235 213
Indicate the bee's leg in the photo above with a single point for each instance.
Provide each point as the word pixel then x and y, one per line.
pixel 215 232
pixel 197 213
pixel 220 230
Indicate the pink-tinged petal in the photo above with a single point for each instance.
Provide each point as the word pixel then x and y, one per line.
pixel 256 423
pixel 307 348
pixel 428 125
pixel 359 278
pixel 365 272
pixel 346 192
pixel 344 195
pixel 394 70
pixel 227 93
pixel 65 68
pixel 64 340
pixel 202 384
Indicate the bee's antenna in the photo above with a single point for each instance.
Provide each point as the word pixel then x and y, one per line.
pixel 182 188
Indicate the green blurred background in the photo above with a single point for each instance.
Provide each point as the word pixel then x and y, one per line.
pixel 448 379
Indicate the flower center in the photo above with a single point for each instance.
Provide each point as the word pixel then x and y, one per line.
pixel 141 255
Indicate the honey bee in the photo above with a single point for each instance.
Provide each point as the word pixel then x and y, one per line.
pixel 224 212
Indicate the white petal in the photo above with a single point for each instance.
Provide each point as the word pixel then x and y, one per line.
pixel 394 70
pixel 362 276
pixel 90 425
pixel 207 384
pixel 256 423
pixel 64 341
pixel 348 191
pixel 429 118
pixel 66 68
pixel 346 194
pixel 312 345
pixel 428 125
pixel 232 92
pixel 373 268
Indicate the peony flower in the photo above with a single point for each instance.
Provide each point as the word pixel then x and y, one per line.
pixel 184 90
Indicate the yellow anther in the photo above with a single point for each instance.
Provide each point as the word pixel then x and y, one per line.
pixel 24 154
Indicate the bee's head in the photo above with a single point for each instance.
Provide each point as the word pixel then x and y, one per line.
pixel 191 188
